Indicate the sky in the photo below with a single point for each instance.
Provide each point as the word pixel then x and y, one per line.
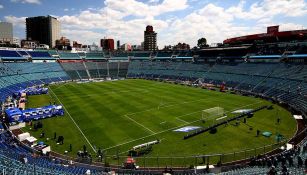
pixel 87 21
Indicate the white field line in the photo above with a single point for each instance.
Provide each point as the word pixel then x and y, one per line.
pixel 182 120
pixel 73 121
pixel 176 104
pixel 150 109
pixel 221 118
pixel 140 124
pixel 59 86
pixel 171 105
pixel 176 127
pixel 154 108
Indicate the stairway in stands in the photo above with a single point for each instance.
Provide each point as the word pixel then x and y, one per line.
pixel 86 69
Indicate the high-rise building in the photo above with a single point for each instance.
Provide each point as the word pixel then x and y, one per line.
pixel 107 44
pixel 44 29
pixel 150 39
pixel 118 44
pixel 6 32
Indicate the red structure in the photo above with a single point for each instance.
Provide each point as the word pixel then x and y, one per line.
pixel 272 35
pixel 107 44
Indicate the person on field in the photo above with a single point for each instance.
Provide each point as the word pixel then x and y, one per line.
pixel 258 132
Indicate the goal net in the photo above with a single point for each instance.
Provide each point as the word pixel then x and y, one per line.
pixel 212 114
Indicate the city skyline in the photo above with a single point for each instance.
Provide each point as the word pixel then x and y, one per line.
pixel 174 20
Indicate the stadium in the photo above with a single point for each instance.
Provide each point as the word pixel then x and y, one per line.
pixel 231 109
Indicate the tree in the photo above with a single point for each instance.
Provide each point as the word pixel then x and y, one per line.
pixel 202 42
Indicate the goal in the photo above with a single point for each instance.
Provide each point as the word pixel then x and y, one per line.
pixel 212 113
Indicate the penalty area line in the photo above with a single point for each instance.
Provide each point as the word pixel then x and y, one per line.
pixel 176 127
pixel 182 120
pixel 140 124
pixel 73 121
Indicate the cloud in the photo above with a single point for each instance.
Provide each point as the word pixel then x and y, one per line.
pixel 111 18
pixel 217 23
pixel 137 8
pixel 87 36
pixel 269 9
pixel 153 1
pixel 27 1
pixel 125 22
pixel 16 21
pixel 1 6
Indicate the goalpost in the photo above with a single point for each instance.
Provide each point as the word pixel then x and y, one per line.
pixel 211 114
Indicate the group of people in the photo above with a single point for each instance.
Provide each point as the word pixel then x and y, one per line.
pixel 283 160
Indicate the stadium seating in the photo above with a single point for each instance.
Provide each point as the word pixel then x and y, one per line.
pixel 10 55
pixel 20 75
pixel 142 54
pixel 95 56
pixel 164 54
pixel 81 54
pixel 75 70
pixel 18 159
pixel 39 55
pixel 53 53
pixel 23 53
pixel 285 82
pixel 87 70
pixel 69 56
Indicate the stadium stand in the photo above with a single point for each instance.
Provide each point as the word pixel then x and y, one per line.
pixel 76 70
pixel 90 69
pixel 10 55
pixel 20 75
pixel 95 56
pixel 81 54
pixel 18 159
pixel 39 55
pixel 142 54
pixel 53 53
pixel 69 56
pixel 277 72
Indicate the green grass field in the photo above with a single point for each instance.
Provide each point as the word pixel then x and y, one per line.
pixel 115 116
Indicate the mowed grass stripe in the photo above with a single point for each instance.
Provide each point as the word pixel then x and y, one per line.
pixel 106 127
pixel 99 109
pixel 153 118
pixel 148 120
pixel 144 120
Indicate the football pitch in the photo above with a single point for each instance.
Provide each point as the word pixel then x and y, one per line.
pixel 117 115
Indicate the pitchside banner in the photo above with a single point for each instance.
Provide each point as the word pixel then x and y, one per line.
pixel 187 129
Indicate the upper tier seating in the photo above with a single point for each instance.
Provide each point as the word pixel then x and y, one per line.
pixel 39 54
pixel 68 55
pixel 9 54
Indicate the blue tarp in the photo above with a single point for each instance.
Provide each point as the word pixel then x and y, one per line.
pixel 17 115
pixel 14 114
pixel 33 91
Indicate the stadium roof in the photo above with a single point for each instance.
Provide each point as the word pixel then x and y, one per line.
pixel 272 35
